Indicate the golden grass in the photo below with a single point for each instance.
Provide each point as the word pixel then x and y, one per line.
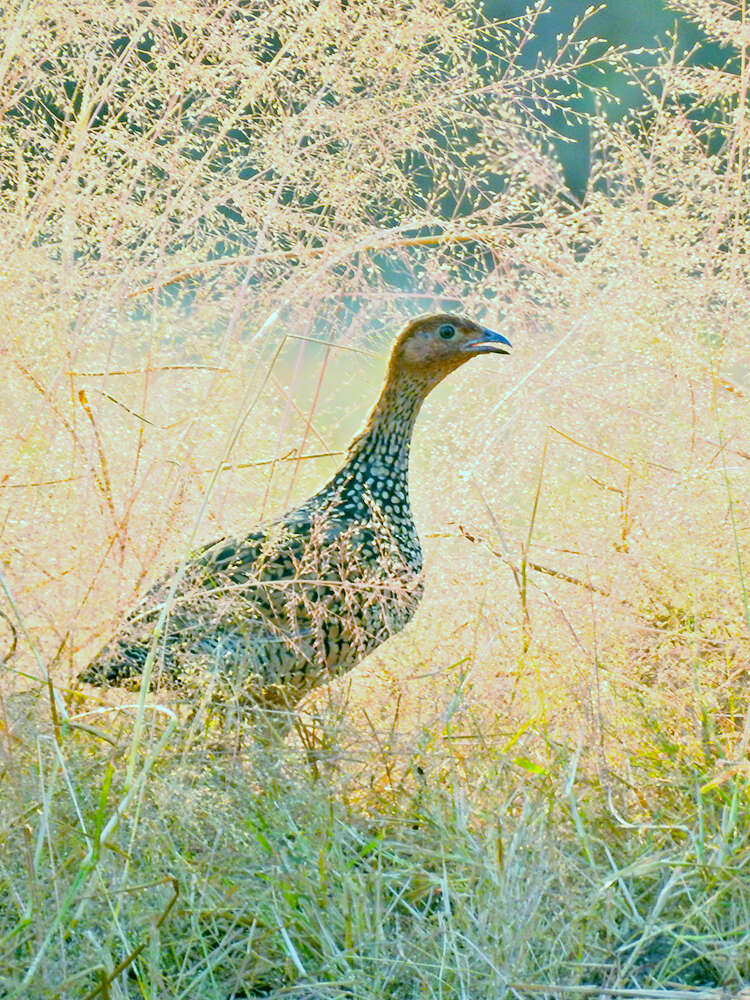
pixel 214 219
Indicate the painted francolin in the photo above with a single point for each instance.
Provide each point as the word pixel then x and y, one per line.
pixel 304 598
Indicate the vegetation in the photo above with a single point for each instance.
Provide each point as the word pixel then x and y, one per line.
pixel 214 218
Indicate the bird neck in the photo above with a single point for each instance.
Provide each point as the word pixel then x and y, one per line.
pixel 379 454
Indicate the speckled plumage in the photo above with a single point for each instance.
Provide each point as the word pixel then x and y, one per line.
pixel 285 608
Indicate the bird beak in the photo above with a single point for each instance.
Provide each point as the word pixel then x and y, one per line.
pixel 489 342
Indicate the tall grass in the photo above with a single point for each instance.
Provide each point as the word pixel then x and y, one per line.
pixel 215 216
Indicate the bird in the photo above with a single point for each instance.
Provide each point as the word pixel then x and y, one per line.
pixel 285 608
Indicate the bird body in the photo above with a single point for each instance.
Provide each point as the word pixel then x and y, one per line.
pixel 296 602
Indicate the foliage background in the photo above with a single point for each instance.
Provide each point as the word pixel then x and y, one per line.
pixel 214 218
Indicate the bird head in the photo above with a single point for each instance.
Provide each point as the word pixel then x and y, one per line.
pixel 430 347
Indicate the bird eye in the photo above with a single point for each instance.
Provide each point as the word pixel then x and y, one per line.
pixel 447 331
